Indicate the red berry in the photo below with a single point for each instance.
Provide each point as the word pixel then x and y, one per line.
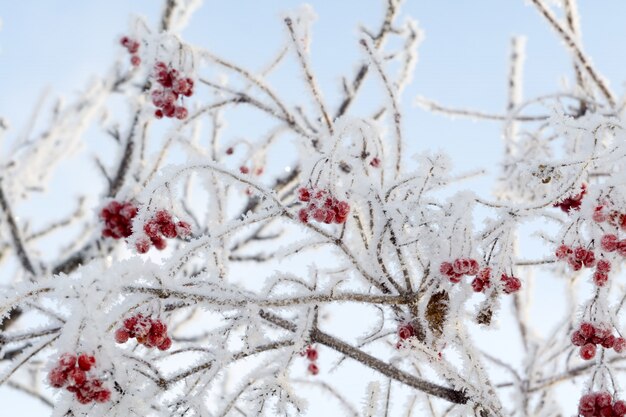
pixel 57 377
pixel 587 404
pixel 313 369
pixel 604 265
pixel 603 399
pixel 165 344
pixel 168 230
pixel 78 376
pixel 473 267
pixel 244 169
pixel 608 342
pixel 229 151
pixel 85 362
pixel 142 245
pixel 589 260
pixel 311 353
pixel 446 268
pixel 620 345
pixel 158 114
pixel 587 330
pixel 609 243
pixel 304 194
pixel 619 408
pixel 121 335
pixel 621 247
pixel 103 396
pixel 599 215
pixel 459 266
pixel 563 251
pixel 67 361
pixel 405 331
pixel 375 162
pixel 588 351
pixel 478 285
pixel 578 339
pixel 319 214
pixel 135 60
pixel 511 284
pixel 181 112
pixel 183 229
pixel 303 215
pixel 600 278
pixel 124 41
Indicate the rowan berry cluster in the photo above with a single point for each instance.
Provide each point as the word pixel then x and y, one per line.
pixel 132 46
pixel 572 202
pixel 576 257
pixel 159 227
pixel 589 336
pixel 579 257
pixel 322 206
pixel 311 354
pixel 600 404
pixel 71 373
pixel 467 266
pixel 602 214
pixel 175 87
pixel 118 219
pixel 148 331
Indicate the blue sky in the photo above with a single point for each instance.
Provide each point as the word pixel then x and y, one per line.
pixel 463 60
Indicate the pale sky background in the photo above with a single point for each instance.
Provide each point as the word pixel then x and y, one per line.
pixel 463 62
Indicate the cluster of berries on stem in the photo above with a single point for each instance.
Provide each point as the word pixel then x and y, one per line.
pixel 132 46
pixel 322 206
pixel 71 372
pixel 588 336
pixel 572 202
pixel 580 257
pixel 466 266
pixel 159 227
pixel 175 87
pixel 601 404
pixel 311 354
pixel 148 331
pixel 614 218
pixel 117 219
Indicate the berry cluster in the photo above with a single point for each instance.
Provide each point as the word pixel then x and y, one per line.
pixel 460 267
pixel 576 257
pixel 158 228
pixel 467 266
pixel 71 372
pixel 600 404
pixel 174 88
pixel 612 243
pixel 572 202
pixel 601 214
pixel 311 354
pixel 579 257
pixel 148 332
pixel 118 219
pixel 132 46
pixel 322 207
pixel 588 336
pixel 375 162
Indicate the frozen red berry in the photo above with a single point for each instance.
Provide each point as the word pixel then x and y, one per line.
pixel 313 369
pixel 588 351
